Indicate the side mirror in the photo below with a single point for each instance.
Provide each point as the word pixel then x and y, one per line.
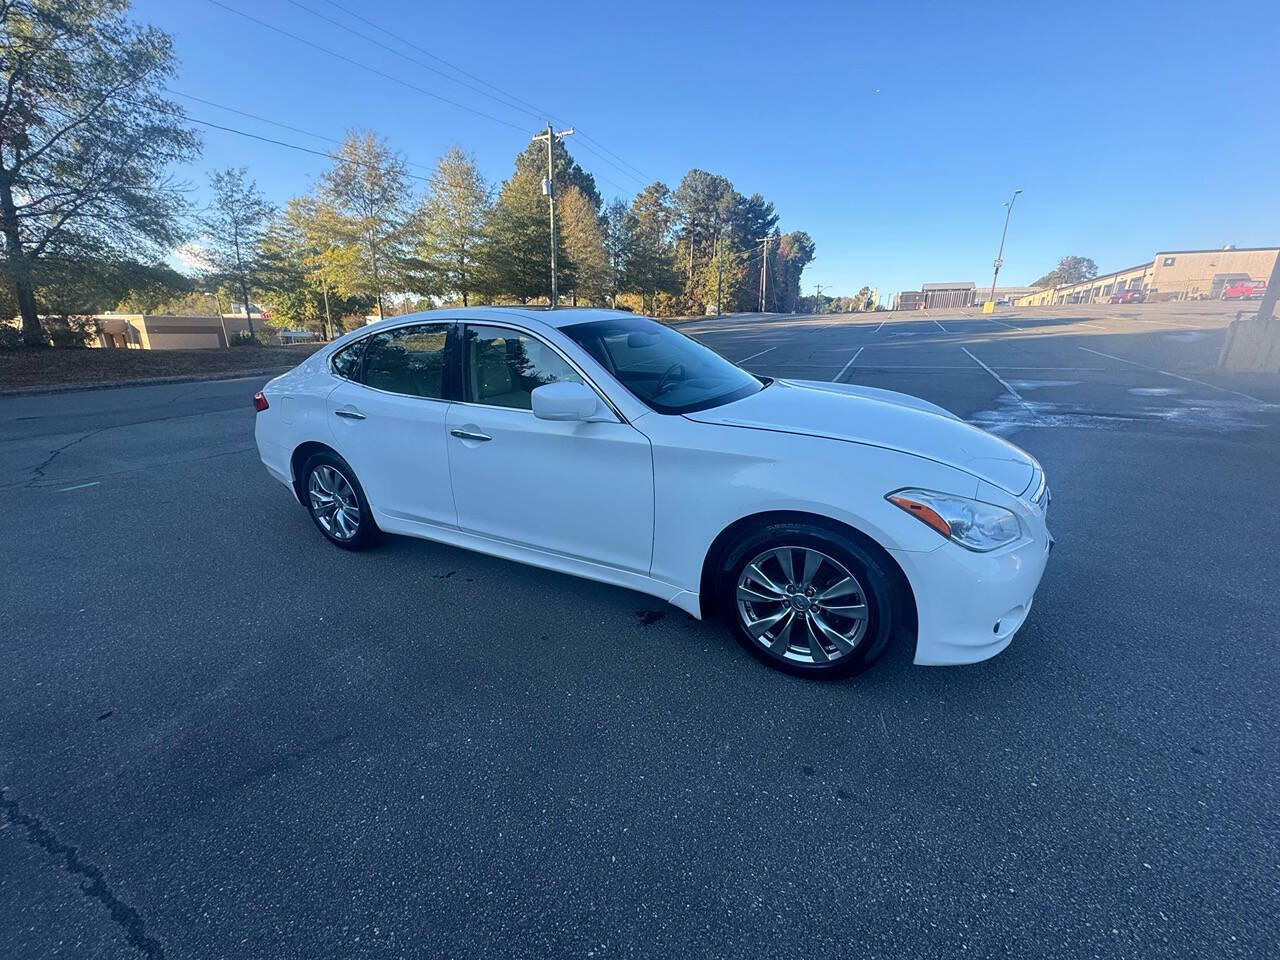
pixel 564 401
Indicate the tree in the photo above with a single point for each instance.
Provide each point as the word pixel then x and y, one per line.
pixel 300 257
pixel 754 217
pixel 566 171
pixel 452 223
pixel 579 227
pixel 1069 270
pixel 235 223
pixel 85 139
pixel 704 203
pixel 650 269
pixel 620 246
pixel 367 192
pixel 791 253
pixel 518 244
pixel 72 292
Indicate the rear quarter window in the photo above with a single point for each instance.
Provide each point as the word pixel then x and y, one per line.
pixel 346 362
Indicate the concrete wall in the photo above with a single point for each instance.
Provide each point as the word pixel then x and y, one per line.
pixel 1252 346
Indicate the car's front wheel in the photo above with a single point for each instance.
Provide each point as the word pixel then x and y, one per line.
pixel 808 600
pixel 337 503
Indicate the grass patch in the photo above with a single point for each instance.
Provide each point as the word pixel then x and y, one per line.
pixel 57 367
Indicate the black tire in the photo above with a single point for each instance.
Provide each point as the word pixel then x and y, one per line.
pixel 326 464
pixel 881 597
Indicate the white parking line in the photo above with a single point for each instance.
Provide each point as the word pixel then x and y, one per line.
pixel 882 323
pixel 941 327
pixel 79 486
pixel 1012 392
pixel 1176 376
pixel 1003 324
pixel 754 355
pixel 845 368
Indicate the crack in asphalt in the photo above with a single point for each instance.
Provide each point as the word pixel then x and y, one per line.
pixel 37 472
pixel 95 885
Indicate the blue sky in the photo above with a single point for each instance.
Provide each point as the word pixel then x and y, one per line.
pixel 891 132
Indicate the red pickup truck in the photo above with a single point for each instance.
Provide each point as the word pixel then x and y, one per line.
pixel 1244 290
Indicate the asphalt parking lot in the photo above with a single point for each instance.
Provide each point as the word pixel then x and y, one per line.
pixel 223 738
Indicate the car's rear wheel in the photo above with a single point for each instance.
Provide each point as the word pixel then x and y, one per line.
pixel 808 600
pixel 337 503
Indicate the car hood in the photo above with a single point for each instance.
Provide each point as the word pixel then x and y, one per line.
pixel 880 418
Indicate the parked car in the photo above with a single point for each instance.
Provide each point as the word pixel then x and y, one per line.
pixel 820 521
pixel 1126 296
pixel 1244 290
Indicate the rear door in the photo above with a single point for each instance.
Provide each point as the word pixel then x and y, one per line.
pixel 582 490
pixel 387 418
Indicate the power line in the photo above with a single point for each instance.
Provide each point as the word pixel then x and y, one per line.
pixel 274 123
pixel 291 146
pixel 393 78
pixel 537 115
pixel 364 66
pixel 524 105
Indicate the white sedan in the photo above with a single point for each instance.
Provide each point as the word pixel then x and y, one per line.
pixel 820 521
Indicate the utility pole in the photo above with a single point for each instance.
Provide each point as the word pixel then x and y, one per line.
pixel 549 191
pixel 764 275
pixel 718 272
pixel 817 300
pixel 990 305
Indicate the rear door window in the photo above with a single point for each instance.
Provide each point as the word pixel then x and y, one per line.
pixel 407 360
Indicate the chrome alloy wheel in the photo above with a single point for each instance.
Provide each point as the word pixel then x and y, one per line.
pixel 801 605
pixel 334 503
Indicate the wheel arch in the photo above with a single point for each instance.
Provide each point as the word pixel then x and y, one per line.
pixel 301 454
pixel 730 535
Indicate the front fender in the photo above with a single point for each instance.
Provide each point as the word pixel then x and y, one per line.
pixel 707 477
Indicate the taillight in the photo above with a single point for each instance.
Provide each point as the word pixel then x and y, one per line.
pixel 260 401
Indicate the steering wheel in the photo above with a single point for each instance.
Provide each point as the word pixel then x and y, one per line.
pixel 667 380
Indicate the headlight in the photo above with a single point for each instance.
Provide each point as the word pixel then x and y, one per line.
pixel 971 523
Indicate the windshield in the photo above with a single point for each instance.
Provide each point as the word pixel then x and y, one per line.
pixel 666 370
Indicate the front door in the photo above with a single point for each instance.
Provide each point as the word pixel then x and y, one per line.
pixel 388 422
pixel 582 490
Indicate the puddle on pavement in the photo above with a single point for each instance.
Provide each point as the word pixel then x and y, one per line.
pixel 1155 391
pixel 1041 384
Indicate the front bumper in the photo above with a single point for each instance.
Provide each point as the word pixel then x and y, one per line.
pixel 969 605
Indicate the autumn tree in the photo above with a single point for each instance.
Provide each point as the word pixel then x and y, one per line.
pixel 579 226
pixel 367 190
pixel 86 138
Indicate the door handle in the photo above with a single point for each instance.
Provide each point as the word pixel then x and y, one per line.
pixel 468 435
pixel 349 414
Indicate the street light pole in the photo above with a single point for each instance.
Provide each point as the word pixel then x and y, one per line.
pixel 991 300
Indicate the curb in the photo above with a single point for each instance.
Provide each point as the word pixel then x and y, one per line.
pixel 142 382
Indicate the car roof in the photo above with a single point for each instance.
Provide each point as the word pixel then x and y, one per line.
pixel 560 317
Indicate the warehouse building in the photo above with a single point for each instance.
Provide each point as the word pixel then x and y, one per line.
pixel 1170 275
